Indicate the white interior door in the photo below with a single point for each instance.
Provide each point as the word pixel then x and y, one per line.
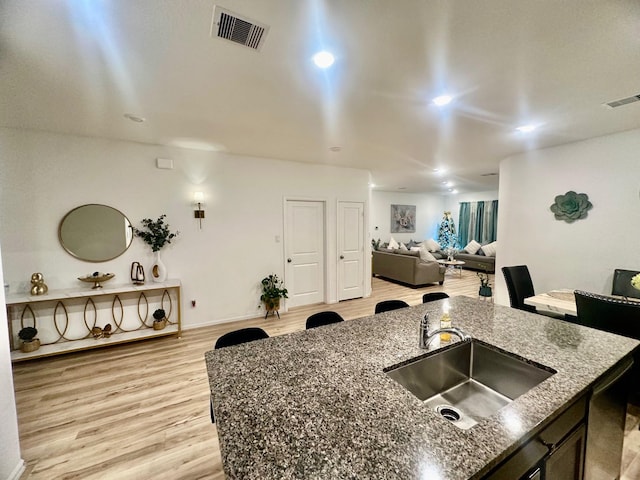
pixel 304 250
pixel 350 250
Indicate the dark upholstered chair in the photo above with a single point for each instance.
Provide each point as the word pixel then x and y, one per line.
pixel 237 337
pixel 243 335
pixel 388 305
pixel 323 318
pixel 622 283
pixel 616 316
pixel 433 296
pixel 520 286
pixel 609 314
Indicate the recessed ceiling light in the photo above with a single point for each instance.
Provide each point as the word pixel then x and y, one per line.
pixel 335 149
pixel 323 59
pixel 442 100
pixel 526 128
pixel 134 118
pixel 449 184
pixel 372 185
pixel 454 191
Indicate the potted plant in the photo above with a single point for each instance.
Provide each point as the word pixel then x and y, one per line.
pixel 29 342
pixel 159 319
pixel 156 235
pixel 272 291
pixel 485 288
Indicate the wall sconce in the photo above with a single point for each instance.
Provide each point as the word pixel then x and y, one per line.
pixel 198 198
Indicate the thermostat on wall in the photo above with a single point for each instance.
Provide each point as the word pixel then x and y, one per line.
pixel 165 163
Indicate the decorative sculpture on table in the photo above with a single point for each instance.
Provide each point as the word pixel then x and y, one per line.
pixel 137 273
pixel 38 287
pixel 571 206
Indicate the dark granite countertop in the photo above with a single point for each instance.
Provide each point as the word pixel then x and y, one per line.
pixel 317 404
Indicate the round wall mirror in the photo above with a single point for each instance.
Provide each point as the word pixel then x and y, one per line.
pixel 95 233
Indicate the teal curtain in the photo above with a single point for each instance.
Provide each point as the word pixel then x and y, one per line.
pixel 478 221
pixel 464 220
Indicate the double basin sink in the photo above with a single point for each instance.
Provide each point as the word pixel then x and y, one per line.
pixel 469 381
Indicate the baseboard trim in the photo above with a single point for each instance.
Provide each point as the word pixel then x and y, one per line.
pixel 17 471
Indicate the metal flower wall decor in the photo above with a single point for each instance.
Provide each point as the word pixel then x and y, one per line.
pixel 571 206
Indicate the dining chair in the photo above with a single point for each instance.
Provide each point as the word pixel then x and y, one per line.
pixel 613 315
pixel 388 305
pixel 433 296
pixel 236 337
pixel 520 286
pixel 622 283
pixel 243 335
pixel 323 318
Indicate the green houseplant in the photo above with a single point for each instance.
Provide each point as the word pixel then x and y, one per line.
pixel 272 291
pixel 29 342
pixel 485 288
pixel 156 235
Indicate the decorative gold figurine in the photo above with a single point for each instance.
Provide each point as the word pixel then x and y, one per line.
pixel 38 287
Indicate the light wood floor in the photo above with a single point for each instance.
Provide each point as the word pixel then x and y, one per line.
pixel 141 410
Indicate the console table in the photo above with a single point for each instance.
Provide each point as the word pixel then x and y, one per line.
pixel 65 318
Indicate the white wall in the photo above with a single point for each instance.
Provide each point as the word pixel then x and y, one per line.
pixel 43 176
pixel 429 211
pixel 11 465
pixel 583 254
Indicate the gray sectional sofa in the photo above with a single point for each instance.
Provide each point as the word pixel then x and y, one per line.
pixel 472 261
pixel 406 267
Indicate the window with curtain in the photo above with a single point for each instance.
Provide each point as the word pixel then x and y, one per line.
pixel 478 221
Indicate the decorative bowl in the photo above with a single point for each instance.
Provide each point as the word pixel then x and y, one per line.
pixel 96 278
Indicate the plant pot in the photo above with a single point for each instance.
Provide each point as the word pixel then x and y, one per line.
pixel 159 324
pixel 485 291
pixel 30 346
pixel 272 304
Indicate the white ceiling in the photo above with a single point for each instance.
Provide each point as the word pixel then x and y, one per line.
pixel 77 66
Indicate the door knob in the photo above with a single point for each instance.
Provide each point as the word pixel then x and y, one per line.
pixel 341 257
pixel 288 260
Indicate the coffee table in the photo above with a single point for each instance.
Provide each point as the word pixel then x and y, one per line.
pixel 453 265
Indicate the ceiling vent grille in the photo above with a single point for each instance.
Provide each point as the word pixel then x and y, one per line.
pixel 624 101
pixel 238 29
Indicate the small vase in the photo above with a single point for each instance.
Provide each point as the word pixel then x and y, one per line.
pixel 30 346
pixel 158 270
pixel 485 291
pixel 159 324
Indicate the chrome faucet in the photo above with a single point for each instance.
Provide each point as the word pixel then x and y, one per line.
pixel 426 337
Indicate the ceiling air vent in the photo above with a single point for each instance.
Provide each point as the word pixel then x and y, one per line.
pixel 623 101
pixel 238 29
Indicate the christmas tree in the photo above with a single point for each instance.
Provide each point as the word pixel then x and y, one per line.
pixel 447 237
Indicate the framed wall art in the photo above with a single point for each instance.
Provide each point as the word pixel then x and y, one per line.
pixel 403 218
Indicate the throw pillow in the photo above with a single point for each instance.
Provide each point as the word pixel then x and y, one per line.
pixel 432 245
pixel 472 247
pixel 425 255
pixel 490 250
pixel 403 247
pixel 393 245
pixel 415 249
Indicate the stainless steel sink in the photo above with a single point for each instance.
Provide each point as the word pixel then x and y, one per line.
pixel 469 381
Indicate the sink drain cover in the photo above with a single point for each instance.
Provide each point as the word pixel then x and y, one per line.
pixel 450 413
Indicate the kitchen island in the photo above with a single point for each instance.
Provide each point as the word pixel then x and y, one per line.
pixel 318 404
